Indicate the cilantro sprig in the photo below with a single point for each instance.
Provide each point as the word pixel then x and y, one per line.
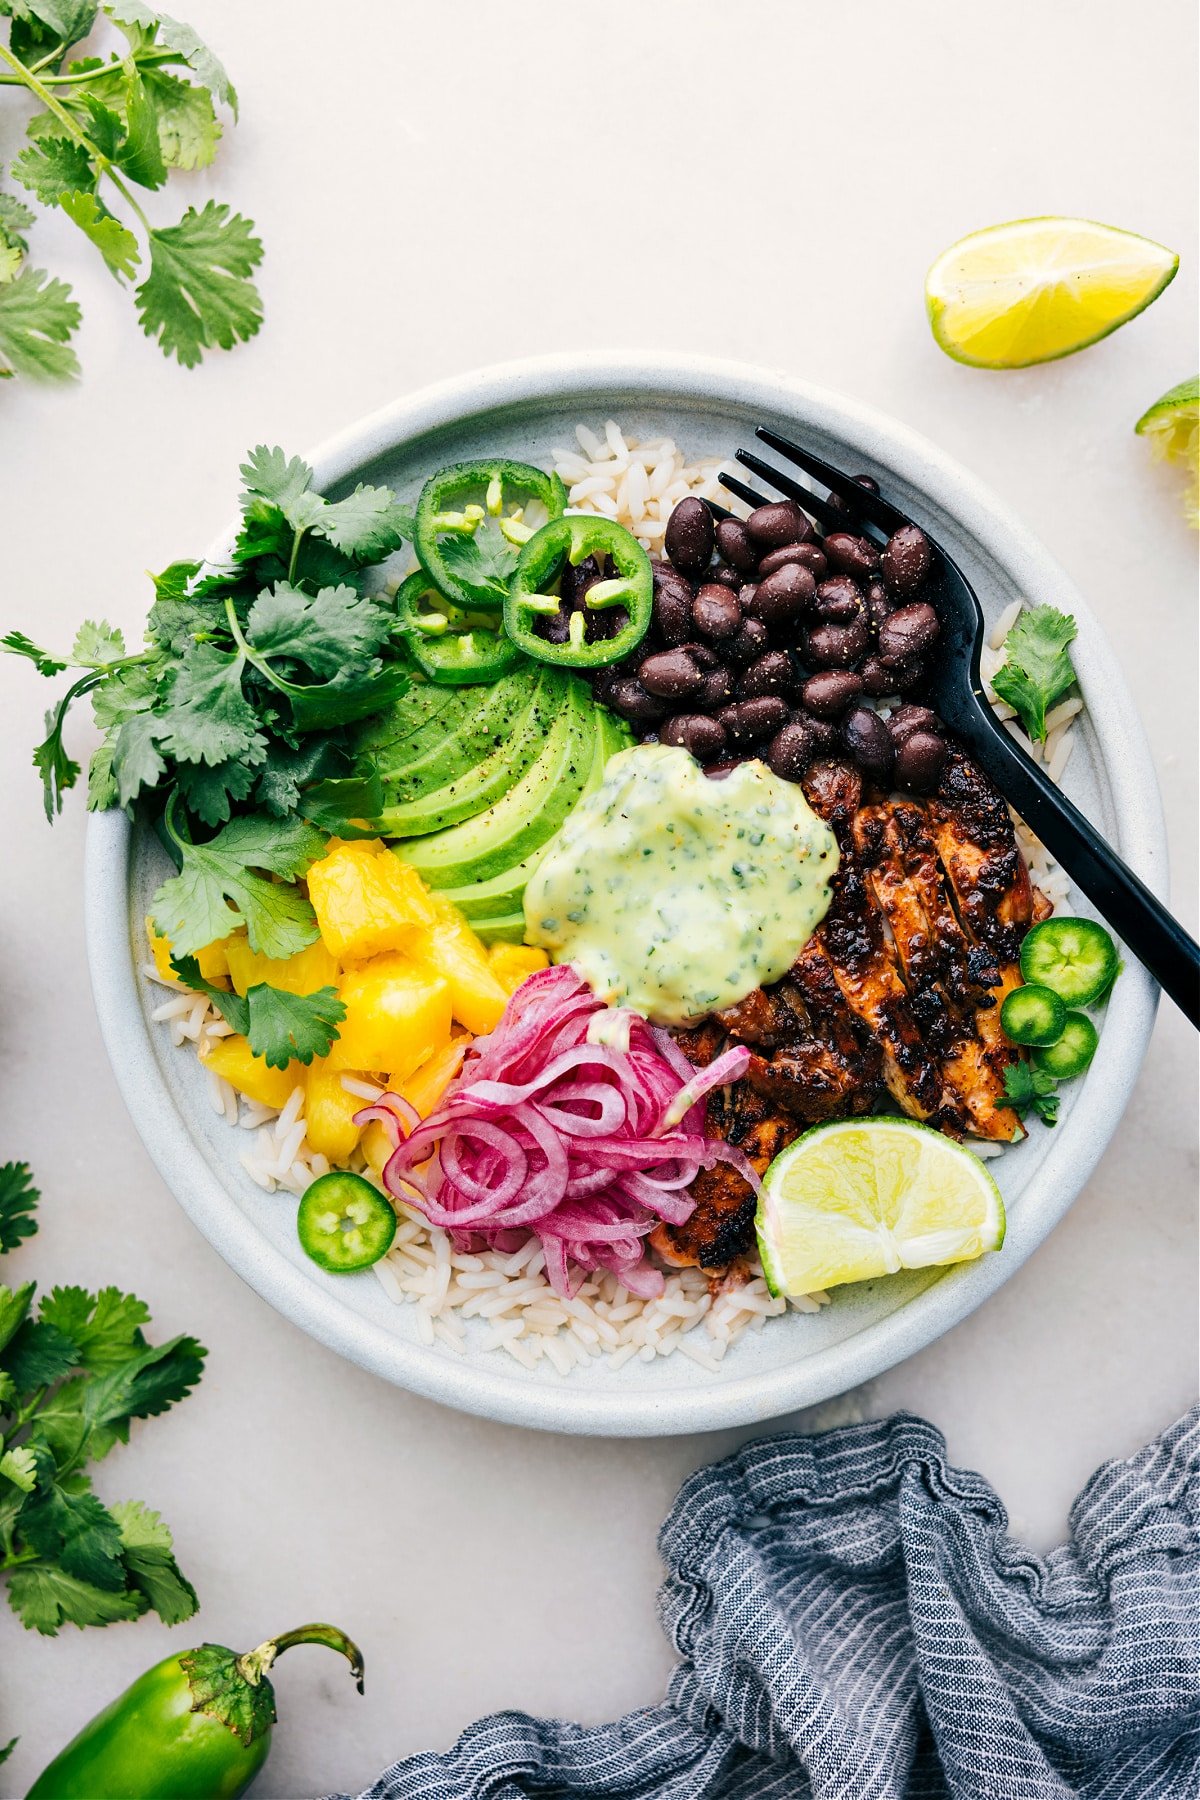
pixel 107 125
pixel 1037 669
pixel 75 1371
pixel 232 729
pixel 1031 1090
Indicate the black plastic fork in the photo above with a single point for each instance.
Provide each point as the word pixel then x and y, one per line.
pixel 956 692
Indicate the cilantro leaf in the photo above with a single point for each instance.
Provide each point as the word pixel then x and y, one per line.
pixel 116 244
pixel 140 156
pixel 287 1026
pixel 367 524
pixel 37 317
pixel 279 1026
pixel 15 220
pixel 45 1597
pixel 14 1309
pixel 484 561
pixel 58 770
pixel 210 718
pixel 280 480
pixel 19 1466
pixel 106 1327
pixel 78 1532
pixel 18 1202
pixel 135 760
pixel 39 1354
pixel 17 644
pixel 146 1547
pixel 218 889
pixel 1037 670
pixel 188 127
pixel 325 631
pixel 171 34
pixel 1031 1090
pixel 144 1385
pixel 209 792
pixel 198 295
pixel 67 19
pixel 53 166
pixel 97 644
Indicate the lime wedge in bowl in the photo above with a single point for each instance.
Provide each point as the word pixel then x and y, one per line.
pixel 867 1197
pixel 1035 289
pixel 1172 426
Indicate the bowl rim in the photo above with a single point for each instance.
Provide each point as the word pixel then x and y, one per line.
pixel 476 1385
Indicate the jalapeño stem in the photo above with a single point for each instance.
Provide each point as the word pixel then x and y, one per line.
pixel 253 1665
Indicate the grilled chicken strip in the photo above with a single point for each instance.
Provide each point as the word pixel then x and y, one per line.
pixel 898 991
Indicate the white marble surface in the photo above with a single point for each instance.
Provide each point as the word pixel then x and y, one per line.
pixel 442 186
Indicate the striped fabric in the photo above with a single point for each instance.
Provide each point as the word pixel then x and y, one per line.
pixel 855 1623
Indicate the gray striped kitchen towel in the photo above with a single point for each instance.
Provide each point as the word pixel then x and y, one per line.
pixel 855 1623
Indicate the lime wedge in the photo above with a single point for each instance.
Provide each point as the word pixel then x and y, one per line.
pixel 1172 425
pixel 1035 289
pixel 868 1197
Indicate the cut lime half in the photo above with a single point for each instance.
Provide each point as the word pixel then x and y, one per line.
pixel 1172 426
pixel 867 1197
pixel 1035 289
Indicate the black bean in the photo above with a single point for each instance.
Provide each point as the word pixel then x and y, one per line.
pixel 727 577
pixel 717 690
pixel 716 612
pixel 749 721
pixel 735 545
pixel 605 680
pixel 907 676
pixel 690 536
pixel 667 576
pixel 830 693
pixel 822 731
pixel 867 481
pixel 851 555
pixel 791 750
pixel 630 699
pixel 908 632
pixel 671 675
pixel 877 678
pixel 704 737
pixel 919 760
pixel 769 674
pixel 778 522
pixel 577 578
pixel 703 655
pixel 555 627
pixel 839 502
pixel 781 597
pixel 809 556
pixel 838 600
pixel 879 604
pixel 671 618
pixel 868 740
pixel 750 641
pixel 906 560
pixel 907 719
pixel 835 646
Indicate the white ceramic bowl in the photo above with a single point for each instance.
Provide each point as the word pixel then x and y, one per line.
pixel 798 1360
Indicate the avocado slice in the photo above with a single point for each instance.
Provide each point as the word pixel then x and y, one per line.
pixel 507 928
pixel 529 814
pixel 482 782
pixel 488 900
pixel 486 727
pixel 420 703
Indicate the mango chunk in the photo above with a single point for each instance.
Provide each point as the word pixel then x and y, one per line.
pixel 397 1013
pixel 232 1058
pixel 310 969
pixel 426 1085
pixel 366 901
pixel 329 1112
pixel 212 959
pixel 451 948
pixel 512 964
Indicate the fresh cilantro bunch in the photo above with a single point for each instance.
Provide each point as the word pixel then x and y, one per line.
pixel 108 125
pixel 1037 670
pixel 74 1372
pixel 236 715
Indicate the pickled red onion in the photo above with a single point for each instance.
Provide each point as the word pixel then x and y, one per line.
pixel 584 1135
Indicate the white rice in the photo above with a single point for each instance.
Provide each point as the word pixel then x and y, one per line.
pixel 516 1311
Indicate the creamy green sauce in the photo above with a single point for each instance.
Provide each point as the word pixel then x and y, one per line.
pixel 676 895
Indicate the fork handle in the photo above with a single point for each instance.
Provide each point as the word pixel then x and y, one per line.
pixel 1142 921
